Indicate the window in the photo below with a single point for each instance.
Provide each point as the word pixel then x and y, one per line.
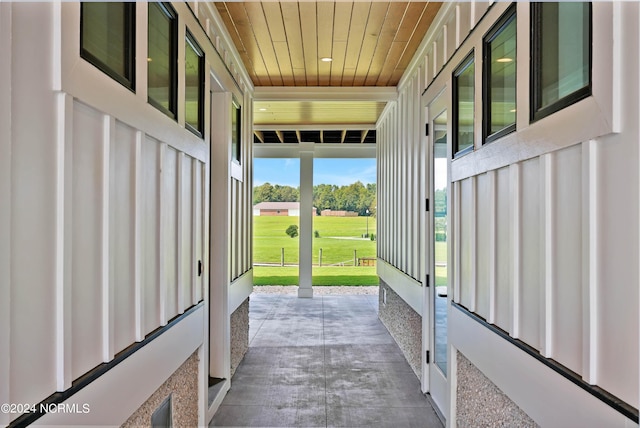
pixel 561 56
pixel 107 38
pixel 194 86
pixel 236 132
pixel 463 106
pixel 500 78
pixel 162 58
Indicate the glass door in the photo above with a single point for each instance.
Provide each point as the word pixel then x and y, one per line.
pixel 438 221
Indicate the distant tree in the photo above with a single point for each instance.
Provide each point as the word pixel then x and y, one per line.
pixel 275 193
pixel 263 193
pixel 292 231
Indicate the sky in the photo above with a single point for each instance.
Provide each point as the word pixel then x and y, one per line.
pixel 341 172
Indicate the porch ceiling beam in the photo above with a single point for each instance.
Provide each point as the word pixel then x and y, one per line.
pixel 278 93
pixel 326 150
pixel 280 136
pixel 316 127
pixel 298 136
pixel 260 136
pixel 363 135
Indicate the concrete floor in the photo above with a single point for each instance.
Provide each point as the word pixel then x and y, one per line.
pixel 322 362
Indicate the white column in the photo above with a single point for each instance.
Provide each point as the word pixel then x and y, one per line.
pixel 306 220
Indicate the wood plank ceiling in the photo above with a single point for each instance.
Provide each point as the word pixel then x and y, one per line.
pixel 283 44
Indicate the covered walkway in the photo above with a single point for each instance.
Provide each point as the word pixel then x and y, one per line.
pixel 322 362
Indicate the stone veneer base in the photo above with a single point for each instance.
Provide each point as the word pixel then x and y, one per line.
pixel 404 325
pixel 183 384
pixel 480 403
pixel 239 334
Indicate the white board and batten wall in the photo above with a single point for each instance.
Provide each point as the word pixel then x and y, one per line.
pixel 552 214
pixel 553 210
pixel 108 208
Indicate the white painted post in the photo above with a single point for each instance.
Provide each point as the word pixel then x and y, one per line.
pixel 306 220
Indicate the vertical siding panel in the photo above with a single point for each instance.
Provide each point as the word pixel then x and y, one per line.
pixel 205 198
pixel 169 209
pixel 457 240
pixel 179 255
pixel 451 34
pixel 515 178
pixel 467 244
pixel 463 21
pixel 186 243
pixel 196 240
pixel 108 309
pixel 619 231
pixel 503 252
pixel 152 282
pixel 590 260
pixel 567 242
pixel 122 235
pixel 86 237
pixel 530 252
pixel 402 173
pixel 427 70
pixel 416 178
pixel 64 221
pixel 483 222
pixel 492 175
pixel 395 143
pixel 5 208
pixel 138 207
pixel 478 8
pixel 547 254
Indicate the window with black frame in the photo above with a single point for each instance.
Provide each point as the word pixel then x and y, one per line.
pixel 194 86
pixel 107 39
pixel 236 132
pixel 499 77
pixel 463 106
pixel 162 58
pixel 560 56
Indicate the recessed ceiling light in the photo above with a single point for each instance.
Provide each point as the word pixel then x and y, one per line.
pixel 262 109
pixel 326 59
pixel 512 111
pixel 149 60
pixel 504 60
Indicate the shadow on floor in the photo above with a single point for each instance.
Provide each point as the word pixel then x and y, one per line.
pixel 322 362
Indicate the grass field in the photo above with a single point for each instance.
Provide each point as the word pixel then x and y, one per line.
pixel 347 275
pixel 339 237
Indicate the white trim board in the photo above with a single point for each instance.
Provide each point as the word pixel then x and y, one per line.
pixel 239 290
pixel 406 287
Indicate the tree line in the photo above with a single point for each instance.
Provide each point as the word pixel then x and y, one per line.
pixel 353 197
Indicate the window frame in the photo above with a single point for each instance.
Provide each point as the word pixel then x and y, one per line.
pixel 509 16
pixel 129 79
pixel 191 40
pixel 464 64
pixel 172 111
pixel 535 71
pixel 236 156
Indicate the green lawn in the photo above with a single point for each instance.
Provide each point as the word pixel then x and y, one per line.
pixel 275 275
pixel 269 238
